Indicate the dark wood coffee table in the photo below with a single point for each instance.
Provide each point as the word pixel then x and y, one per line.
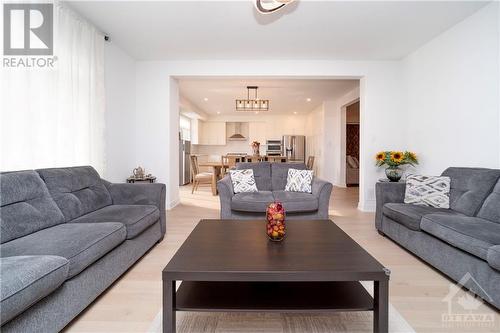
pixel 232 266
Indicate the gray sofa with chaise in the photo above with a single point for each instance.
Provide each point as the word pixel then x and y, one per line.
pixel 460 240
pixel 270 179
pixel 67 235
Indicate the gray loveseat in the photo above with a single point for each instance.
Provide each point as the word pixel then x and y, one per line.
pixel 66 235
pixel 271 179
pixel 460 240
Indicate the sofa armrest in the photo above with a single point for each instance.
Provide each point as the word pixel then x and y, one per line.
pixel 322 190
pixel 226 193
pixel 387 192
pixel 140 194
pixel 493 257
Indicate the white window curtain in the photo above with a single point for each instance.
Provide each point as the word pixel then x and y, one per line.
pixel 55 117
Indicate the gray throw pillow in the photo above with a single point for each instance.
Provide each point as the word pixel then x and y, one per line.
pixel 243 181
pixel 299 181
pixel 433 191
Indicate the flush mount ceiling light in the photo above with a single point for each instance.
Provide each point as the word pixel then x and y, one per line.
pixel 270 6
pixel 254 104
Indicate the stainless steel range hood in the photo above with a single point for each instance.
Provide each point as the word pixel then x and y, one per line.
pixel 237 135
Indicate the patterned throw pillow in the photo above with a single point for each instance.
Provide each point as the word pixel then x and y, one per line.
pixel 431 191
pixel 299 181
pixel 243 181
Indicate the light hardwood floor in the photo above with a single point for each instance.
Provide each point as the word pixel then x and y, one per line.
pixel 416 290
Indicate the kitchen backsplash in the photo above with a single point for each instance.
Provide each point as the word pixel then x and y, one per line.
pixel 215 152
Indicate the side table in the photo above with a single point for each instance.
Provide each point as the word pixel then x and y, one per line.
pixel 151 179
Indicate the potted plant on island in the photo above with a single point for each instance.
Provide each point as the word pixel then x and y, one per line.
pixel 394 160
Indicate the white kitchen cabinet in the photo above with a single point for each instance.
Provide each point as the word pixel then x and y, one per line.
pixel 257 132
pixel 213 133
pixel 195 131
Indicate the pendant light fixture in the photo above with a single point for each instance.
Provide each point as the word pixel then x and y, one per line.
pixel 254 104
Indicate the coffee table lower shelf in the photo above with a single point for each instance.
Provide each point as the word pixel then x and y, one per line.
pixel 272 296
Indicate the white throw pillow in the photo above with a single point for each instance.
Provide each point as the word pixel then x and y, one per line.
pixel 299 181
pixel 433 191
pixel 243 181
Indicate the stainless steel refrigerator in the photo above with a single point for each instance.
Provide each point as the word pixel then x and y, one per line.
pixel 294 148
pixel 184 162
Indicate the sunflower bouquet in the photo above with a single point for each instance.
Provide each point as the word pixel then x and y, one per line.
pixel 396 158
pixel 393 160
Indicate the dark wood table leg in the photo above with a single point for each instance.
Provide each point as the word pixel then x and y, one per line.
pixel 381 306
pixel 169 323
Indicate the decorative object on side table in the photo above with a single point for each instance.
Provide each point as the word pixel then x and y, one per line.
pixel 139 172
pixel 275 227
pixel 394 160
pixel 139 175
pixel 255 147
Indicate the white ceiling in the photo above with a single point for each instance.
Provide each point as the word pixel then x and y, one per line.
pixel 350 30
pixel 286 95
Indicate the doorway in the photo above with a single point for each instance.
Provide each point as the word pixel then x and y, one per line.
pixel 352 144
pixel 331 111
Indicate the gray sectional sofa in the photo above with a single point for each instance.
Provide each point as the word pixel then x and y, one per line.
pixel 67 235
pixel 460 240
pixel 271 180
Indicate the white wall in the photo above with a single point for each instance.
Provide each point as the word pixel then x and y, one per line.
pixel 442 101
pixel 119 80
pixel 156 150
pixel 315 138
pixel 335 139
pixel 453 95
pixel 380 90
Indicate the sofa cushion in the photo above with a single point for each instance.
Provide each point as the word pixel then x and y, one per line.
pixel 490 209
pixel 136 218
pixel 27 279
pixel 252 201
pixel 295 202
pixel 470 234
pixel 261 173
pixel 470 187
pixel 80 243
pixel 410 215
pixel 77 191
pixel 493 257
pixel 279 174
pixel 26 205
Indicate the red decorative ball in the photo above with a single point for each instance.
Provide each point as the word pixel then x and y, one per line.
pixel 275 216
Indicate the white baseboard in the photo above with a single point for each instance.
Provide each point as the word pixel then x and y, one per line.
pixel 173 203
pixel 368 206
